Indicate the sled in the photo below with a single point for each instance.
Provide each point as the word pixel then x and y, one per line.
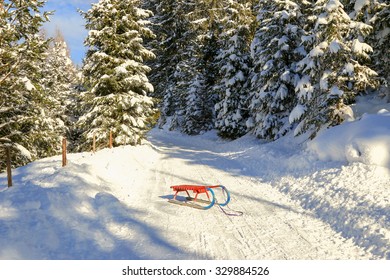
pixel 196 202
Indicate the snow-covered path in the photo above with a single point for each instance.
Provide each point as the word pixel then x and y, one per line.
pixel 113 205
pixel 272 227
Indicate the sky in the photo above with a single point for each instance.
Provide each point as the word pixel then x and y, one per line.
pixel 71 24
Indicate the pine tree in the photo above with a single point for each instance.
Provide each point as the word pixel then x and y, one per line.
pixel 197 110
pixel 24 125
pixel 375 13
pixel 234 62
pixel 187 46
pixel 184 60
pixel 59 80
pixel 380 41
pixel 173 49
pixel 115 74
pixel 203 51
pixel 334 71
pixel 275 51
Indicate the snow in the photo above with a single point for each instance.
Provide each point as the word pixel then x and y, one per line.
pixel 335 91
pixel 360 48
pixel 27 83
pixel 120 70
pixel 349 68
pixel 359 4
pixel 23 151
pixel 319 50
pixel 322 20
pixel 297 204
pixel 304 87
pixel 324 84
pixel 334 46
pixel 296 113
pixel 366 140
pixel 332 5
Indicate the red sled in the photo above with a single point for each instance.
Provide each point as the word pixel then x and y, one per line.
pixel 195 201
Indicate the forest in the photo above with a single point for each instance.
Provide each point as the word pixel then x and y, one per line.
pixel 264 67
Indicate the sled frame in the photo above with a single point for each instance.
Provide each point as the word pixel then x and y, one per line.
pixel 195 202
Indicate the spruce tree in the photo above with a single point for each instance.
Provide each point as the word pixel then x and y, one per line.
pixel 115 74
pixel 234 62
pixel 380 41
pixel 188 47
pixel 375 13
pixel 173 50
pixel 59 78
pixel 204 49
pixel 275 51
pixel 334 71
pixel 24 122
pixel 186 72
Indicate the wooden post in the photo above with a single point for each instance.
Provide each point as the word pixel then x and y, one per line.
pixel 64 152
pixel 9 172
pixel 110 143
pixel 94 143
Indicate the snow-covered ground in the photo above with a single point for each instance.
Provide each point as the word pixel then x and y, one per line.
pixel 326 199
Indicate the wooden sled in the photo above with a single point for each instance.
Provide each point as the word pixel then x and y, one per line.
pixel 195 202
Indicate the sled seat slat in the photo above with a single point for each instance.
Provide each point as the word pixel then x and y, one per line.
pixel 194 188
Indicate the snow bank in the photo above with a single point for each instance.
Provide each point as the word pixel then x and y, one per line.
pixel 366 140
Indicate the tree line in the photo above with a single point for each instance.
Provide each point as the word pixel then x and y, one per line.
pixel 238 66
pixel 267 67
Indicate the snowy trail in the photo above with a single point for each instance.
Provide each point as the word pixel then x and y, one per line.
pixel 113 205
pixel 272 227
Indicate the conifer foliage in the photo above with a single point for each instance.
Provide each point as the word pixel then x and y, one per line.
pixel 308 60
pixel 380 41
pixel 25 121
pixel 335 69
pixel 115 74
pixel 239 66
pixel 59 79
pixel 234 62
pixel 275 52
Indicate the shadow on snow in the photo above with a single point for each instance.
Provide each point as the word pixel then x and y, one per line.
pixel 60 221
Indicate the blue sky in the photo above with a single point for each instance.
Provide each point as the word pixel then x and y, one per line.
pixel 69 21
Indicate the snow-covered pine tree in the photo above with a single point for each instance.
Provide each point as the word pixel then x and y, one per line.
pixel 197 111
pixel 24 121
pixel 176 99
pixel 59 77
pixel 234 62
pixel 166 25
pixel 275 53
pixel 377 14
pixel 115 74
pixel 173 37
pixel 334 71
pixel 201 96
pixel 380 41
pixel 189 44
pixel 186 98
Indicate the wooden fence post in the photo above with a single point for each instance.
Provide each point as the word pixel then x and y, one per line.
pixel 9 172
pixel 64 161
pixel 110 143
